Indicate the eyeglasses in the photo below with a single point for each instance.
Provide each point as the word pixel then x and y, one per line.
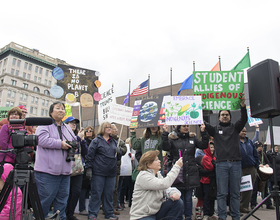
pixel 72 122
pixel 108 127
pixel 88 130
pixel 24 112
pixel 224 115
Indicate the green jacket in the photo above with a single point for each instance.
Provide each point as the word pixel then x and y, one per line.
pixel 153 143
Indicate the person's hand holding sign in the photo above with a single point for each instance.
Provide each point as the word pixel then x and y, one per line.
pixel 242 103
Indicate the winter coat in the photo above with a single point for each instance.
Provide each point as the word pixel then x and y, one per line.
pixel 50 158
pixel 153 143
pixel 150 190
pixel 277 164
pixel 249 154
pixel 186 143
pixel 123 149
pixel 207 164
pixel 4 215
pixel 102 156
pixel 226 136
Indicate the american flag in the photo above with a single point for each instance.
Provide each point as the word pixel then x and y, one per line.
pixel 141 89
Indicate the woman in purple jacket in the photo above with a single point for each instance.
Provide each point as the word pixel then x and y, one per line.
pixel 52 171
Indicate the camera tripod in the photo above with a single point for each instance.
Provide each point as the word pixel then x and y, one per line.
pixel 275 193
pixel 22 176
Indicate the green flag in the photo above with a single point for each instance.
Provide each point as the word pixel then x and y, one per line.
pixel 243 63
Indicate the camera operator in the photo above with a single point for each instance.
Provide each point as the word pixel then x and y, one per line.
pixel 5 140
pixel 75 181
pixel 52 171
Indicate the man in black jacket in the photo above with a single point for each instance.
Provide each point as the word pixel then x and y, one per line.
pixel 228 160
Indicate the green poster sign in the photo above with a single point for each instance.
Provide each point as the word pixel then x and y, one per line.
pixel 4 112
pixel 219 90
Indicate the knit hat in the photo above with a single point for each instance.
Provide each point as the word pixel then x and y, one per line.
pixel 22 107
pixel 258 144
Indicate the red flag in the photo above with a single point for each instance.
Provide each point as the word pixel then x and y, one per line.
pixel 216 67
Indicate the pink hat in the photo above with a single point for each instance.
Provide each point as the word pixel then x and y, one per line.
pixel 22 107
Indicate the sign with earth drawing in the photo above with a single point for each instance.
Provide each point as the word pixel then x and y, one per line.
pixel 220 90
pixel 148 112
pixel 75 84
pixel 183 110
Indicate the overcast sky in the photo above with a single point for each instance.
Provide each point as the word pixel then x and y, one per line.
pixel 130 39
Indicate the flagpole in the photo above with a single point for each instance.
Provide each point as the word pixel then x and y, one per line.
pixel 249 55
pixel 220 65
pixel 193 65
pixel 171 81
pixel 148 84
pixel 127 129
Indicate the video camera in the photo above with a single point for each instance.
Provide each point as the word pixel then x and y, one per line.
pixel 19 137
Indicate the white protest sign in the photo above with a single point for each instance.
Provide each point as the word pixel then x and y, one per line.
pixel 252 121
pixel 276 131
pixel 246 183
pixel 126 167
pixel 181 110
pixel 120 114
pixel 107 98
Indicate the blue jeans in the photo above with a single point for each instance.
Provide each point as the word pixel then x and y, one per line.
pixel 99 185
pixel 187 199
pixel 169 210
pixel 74 194
pixel 53 189
pixel 228 174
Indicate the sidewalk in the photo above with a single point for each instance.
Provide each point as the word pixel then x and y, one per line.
pixel 261 213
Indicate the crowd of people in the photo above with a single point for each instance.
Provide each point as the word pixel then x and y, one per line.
pixel 166 170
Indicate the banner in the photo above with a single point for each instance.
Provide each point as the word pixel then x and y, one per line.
pixel 252 121
pixel 220 90
pixel 182 110
pixel 246 183
pixel 276 137
pixel 74 84
pixel 107 98
pixel 120 114
pixel 4 112
pixel 148 111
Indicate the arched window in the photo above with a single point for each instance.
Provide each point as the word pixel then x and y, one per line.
pixel 46 92
pixel 36 89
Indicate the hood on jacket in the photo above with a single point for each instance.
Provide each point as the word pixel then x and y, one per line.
pixel 7 168
pixel 207 151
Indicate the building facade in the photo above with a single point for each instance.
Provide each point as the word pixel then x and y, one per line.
pixel 26 79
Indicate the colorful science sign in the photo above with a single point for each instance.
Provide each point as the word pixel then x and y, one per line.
pixel 183 110
pixel 4 112
pixel 220 90
pixel 252 121
pixel 148 112
pixel 74 84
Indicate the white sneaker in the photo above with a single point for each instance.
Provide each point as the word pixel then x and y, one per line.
pixel 205 217
pixel 215 216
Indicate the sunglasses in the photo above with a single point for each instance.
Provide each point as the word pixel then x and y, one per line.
pixel 88 130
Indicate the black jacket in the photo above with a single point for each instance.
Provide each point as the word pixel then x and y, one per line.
pixel 226 136
pixel 187 144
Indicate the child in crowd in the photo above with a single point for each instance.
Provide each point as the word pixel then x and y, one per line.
pixel 5 213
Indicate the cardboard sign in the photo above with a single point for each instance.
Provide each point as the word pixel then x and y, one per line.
pixel 120 114
pixel 72 83
pixel 107 98
pixel 148 112
pixel 182 110
pixel 220 90
pixel 252 121
pixel 4 112
pixel 246 183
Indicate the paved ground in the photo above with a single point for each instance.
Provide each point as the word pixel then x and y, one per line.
pixel 261 213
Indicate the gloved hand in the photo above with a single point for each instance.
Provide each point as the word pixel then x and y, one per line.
pixel 213 163
pixel 89 173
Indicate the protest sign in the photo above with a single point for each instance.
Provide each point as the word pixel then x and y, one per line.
pixel 120 114
pixel 4 112
pixel 148 112
pixel 252 121
pixel 126 166
pixel 74 84
pixel 276 137
pixel 181 110
pixel 246 183
pixel 107 98
pixel 220 90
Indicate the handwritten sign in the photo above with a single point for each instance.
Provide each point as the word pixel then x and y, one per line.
pixel 107 98
pixel 181 110
pixel 4 112
pixel 252 121
pixel 120 114
pixel 221 90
